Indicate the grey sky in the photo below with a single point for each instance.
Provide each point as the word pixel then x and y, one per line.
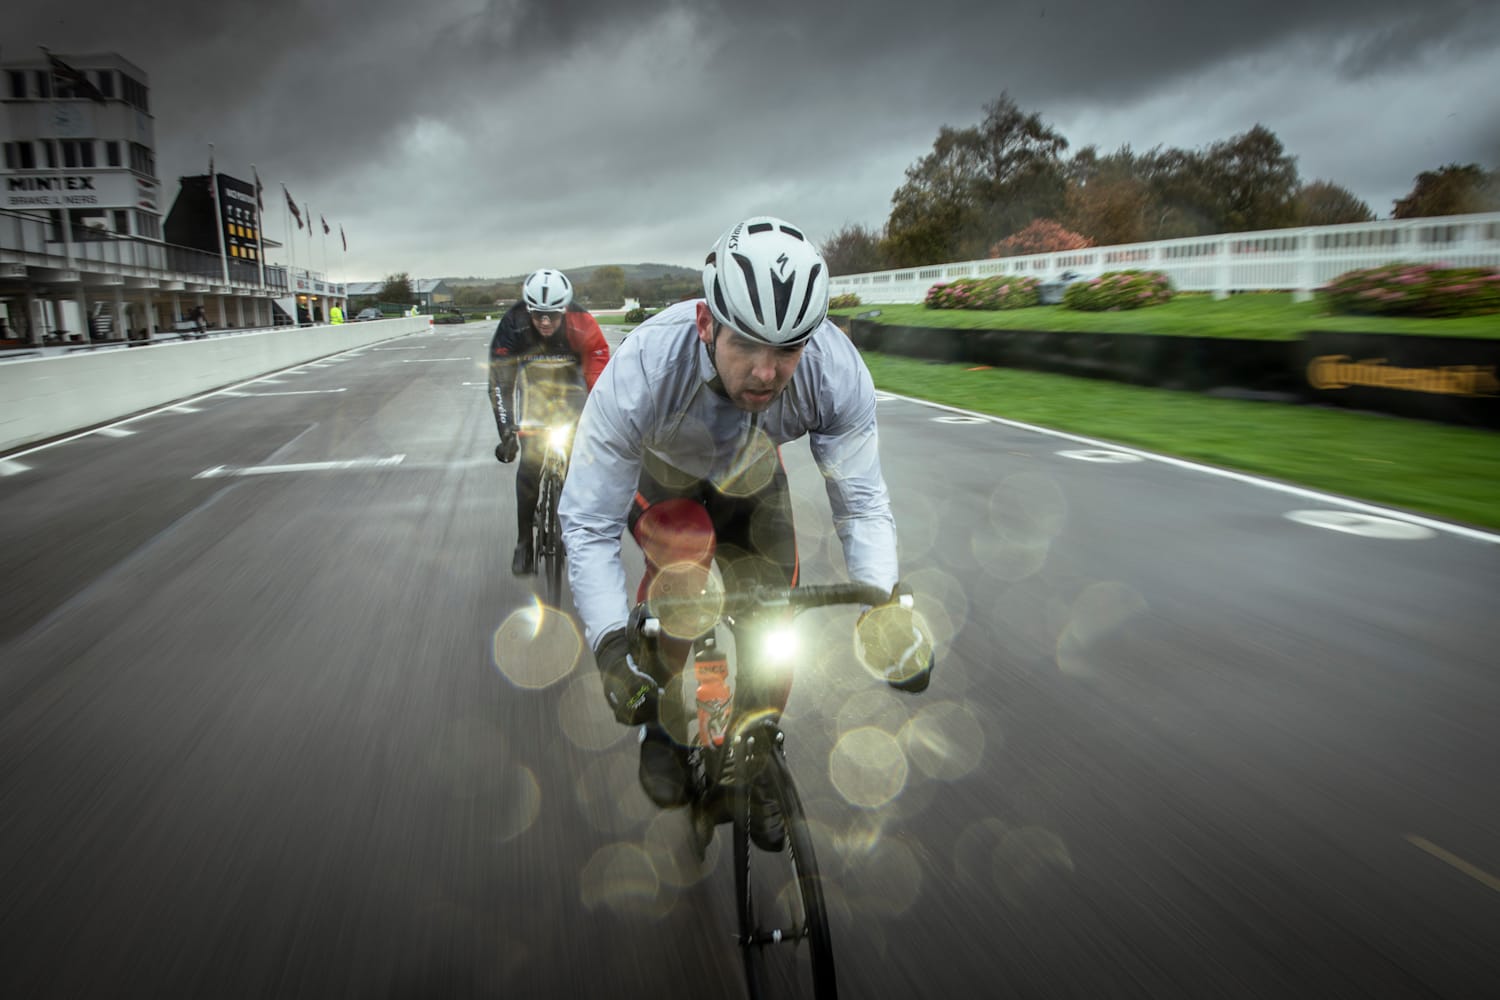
pixel 491 137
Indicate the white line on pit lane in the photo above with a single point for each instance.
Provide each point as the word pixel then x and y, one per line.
pixel 227 390
pixel 1104 455
pixel 115 432
pixel 1462 531
pixel 292 392
pixel 422 348
pixel 428 361
pixel 225 471
pixel 9 468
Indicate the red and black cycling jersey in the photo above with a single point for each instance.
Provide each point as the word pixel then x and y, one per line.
pixel 576 351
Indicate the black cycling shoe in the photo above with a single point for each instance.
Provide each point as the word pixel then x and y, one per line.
pixel 664 769
pixel 523 563
pixel 766 827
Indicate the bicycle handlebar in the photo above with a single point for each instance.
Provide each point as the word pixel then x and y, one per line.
pixel 759 598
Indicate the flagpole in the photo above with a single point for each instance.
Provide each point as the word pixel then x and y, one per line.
pixel 213 188
pixel 260 242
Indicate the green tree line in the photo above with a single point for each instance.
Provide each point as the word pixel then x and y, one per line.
pixel 985 183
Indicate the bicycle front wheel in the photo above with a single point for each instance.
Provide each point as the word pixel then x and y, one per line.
pixel 549 548
pixel 783 919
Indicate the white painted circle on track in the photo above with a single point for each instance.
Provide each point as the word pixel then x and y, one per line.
pixel 1368 525
pixel 1101 455
pixel 960 420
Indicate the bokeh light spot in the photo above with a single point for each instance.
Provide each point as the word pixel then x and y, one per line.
pixel 536 646
pixel 622 878
pixel 944 740
pixel 867 767
pixel 584 715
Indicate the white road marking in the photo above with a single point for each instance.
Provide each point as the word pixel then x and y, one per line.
pixel 422 348
pixel 1101 455
pixel 293 392
pixel 226 391
pixel 115 432
pixel 184 408
pixel 1462 531
pixel 1354 523
pixel 9 468
pixel 226 471
pixel 1447 857
pixel 426 361
pixel 271 381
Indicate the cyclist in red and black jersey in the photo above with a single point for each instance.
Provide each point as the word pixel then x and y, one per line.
pixel 553 350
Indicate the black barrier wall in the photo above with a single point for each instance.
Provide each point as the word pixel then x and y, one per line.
pixel 1449 379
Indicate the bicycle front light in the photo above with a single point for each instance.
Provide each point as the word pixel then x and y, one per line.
pixel 780 645
pixel 557 437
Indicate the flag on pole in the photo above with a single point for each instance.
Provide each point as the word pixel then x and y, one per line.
pixel 260 202
pixel 344 238
pixel 75 79
pixel 210 163
pixel 292 205
pixel 324 220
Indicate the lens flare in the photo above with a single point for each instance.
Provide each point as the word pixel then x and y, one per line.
pixel 701 594
pixel 536 646
pixel 944 740
pixel 1099 611
pixel 867 767
pixel 893 642
pixel 622 878
pixel 558 437
pixel 780 645
pixel 585 717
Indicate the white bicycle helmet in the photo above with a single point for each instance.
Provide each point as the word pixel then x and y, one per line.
pixel 767 281
pixel 547 290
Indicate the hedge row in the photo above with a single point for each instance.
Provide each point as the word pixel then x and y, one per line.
pixel 1403 289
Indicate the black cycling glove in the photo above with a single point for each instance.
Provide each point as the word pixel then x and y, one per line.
pixel 631 692
pixel 508 447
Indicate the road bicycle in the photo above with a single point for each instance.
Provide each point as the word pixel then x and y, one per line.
pixel 782 917
pixel 546 533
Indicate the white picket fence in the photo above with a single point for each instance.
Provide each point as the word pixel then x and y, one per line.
pixel 1296 260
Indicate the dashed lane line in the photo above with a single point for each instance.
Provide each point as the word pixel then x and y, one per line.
pixel 1462 531
pixel 227 471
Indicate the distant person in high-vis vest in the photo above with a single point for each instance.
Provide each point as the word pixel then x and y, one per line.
pixel 335 315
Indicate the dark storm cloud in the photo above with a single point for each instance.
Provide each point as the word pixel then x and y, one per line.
pixel 469 136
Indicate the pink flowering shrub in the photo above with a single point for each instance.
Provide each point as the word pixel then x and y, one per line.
pixel 1000 292
pixel 846 301
pixel 1403 289
pixel 1040 236
pixel 1115 290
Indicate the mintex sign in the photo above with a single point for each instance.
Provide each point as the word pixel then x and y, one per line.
pixel 116 189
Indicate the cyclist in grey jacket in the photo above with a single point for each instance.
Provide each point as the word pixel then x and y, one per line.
pixel 679 442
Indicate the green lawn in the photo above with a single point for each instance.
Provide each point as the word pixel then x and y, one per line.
pixel 1270 316
pixel 1450 472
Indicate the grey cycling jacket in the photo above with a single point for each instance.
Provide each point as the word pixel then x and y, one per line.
pixel 654 401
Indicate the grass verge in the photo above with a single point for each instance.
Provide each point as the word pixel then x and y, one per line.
pixel 1269 316
pixel 1450 472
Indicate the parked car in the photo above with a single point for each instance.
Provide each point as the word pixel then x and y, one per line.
pixel 1050 293
pixel 370 313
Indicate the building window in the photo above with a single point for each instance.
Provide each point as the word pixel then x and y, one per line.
pixel 49 153
pixel 43 83
pixel 134 93
pixel 122 222
pixel 17 84
pixel 112 152
pixel 25 155
pixel 106 79
pixel 142 160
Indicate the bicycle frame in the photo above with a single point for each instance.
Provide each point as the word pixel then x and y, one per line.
pixel 547 533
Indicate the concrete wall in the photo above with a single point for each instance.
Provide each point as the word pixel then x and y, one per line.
pixel 41 398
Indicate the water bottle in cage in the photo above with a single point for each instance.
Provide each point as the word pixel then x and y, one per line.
pixel 711 669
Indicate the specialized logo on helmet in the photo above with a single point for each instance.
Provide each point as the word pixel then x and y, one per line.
pixel 781 264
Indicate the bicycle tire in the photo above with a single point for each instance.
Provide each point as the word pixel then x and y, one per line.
pixel 549 550
pixel 765 977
